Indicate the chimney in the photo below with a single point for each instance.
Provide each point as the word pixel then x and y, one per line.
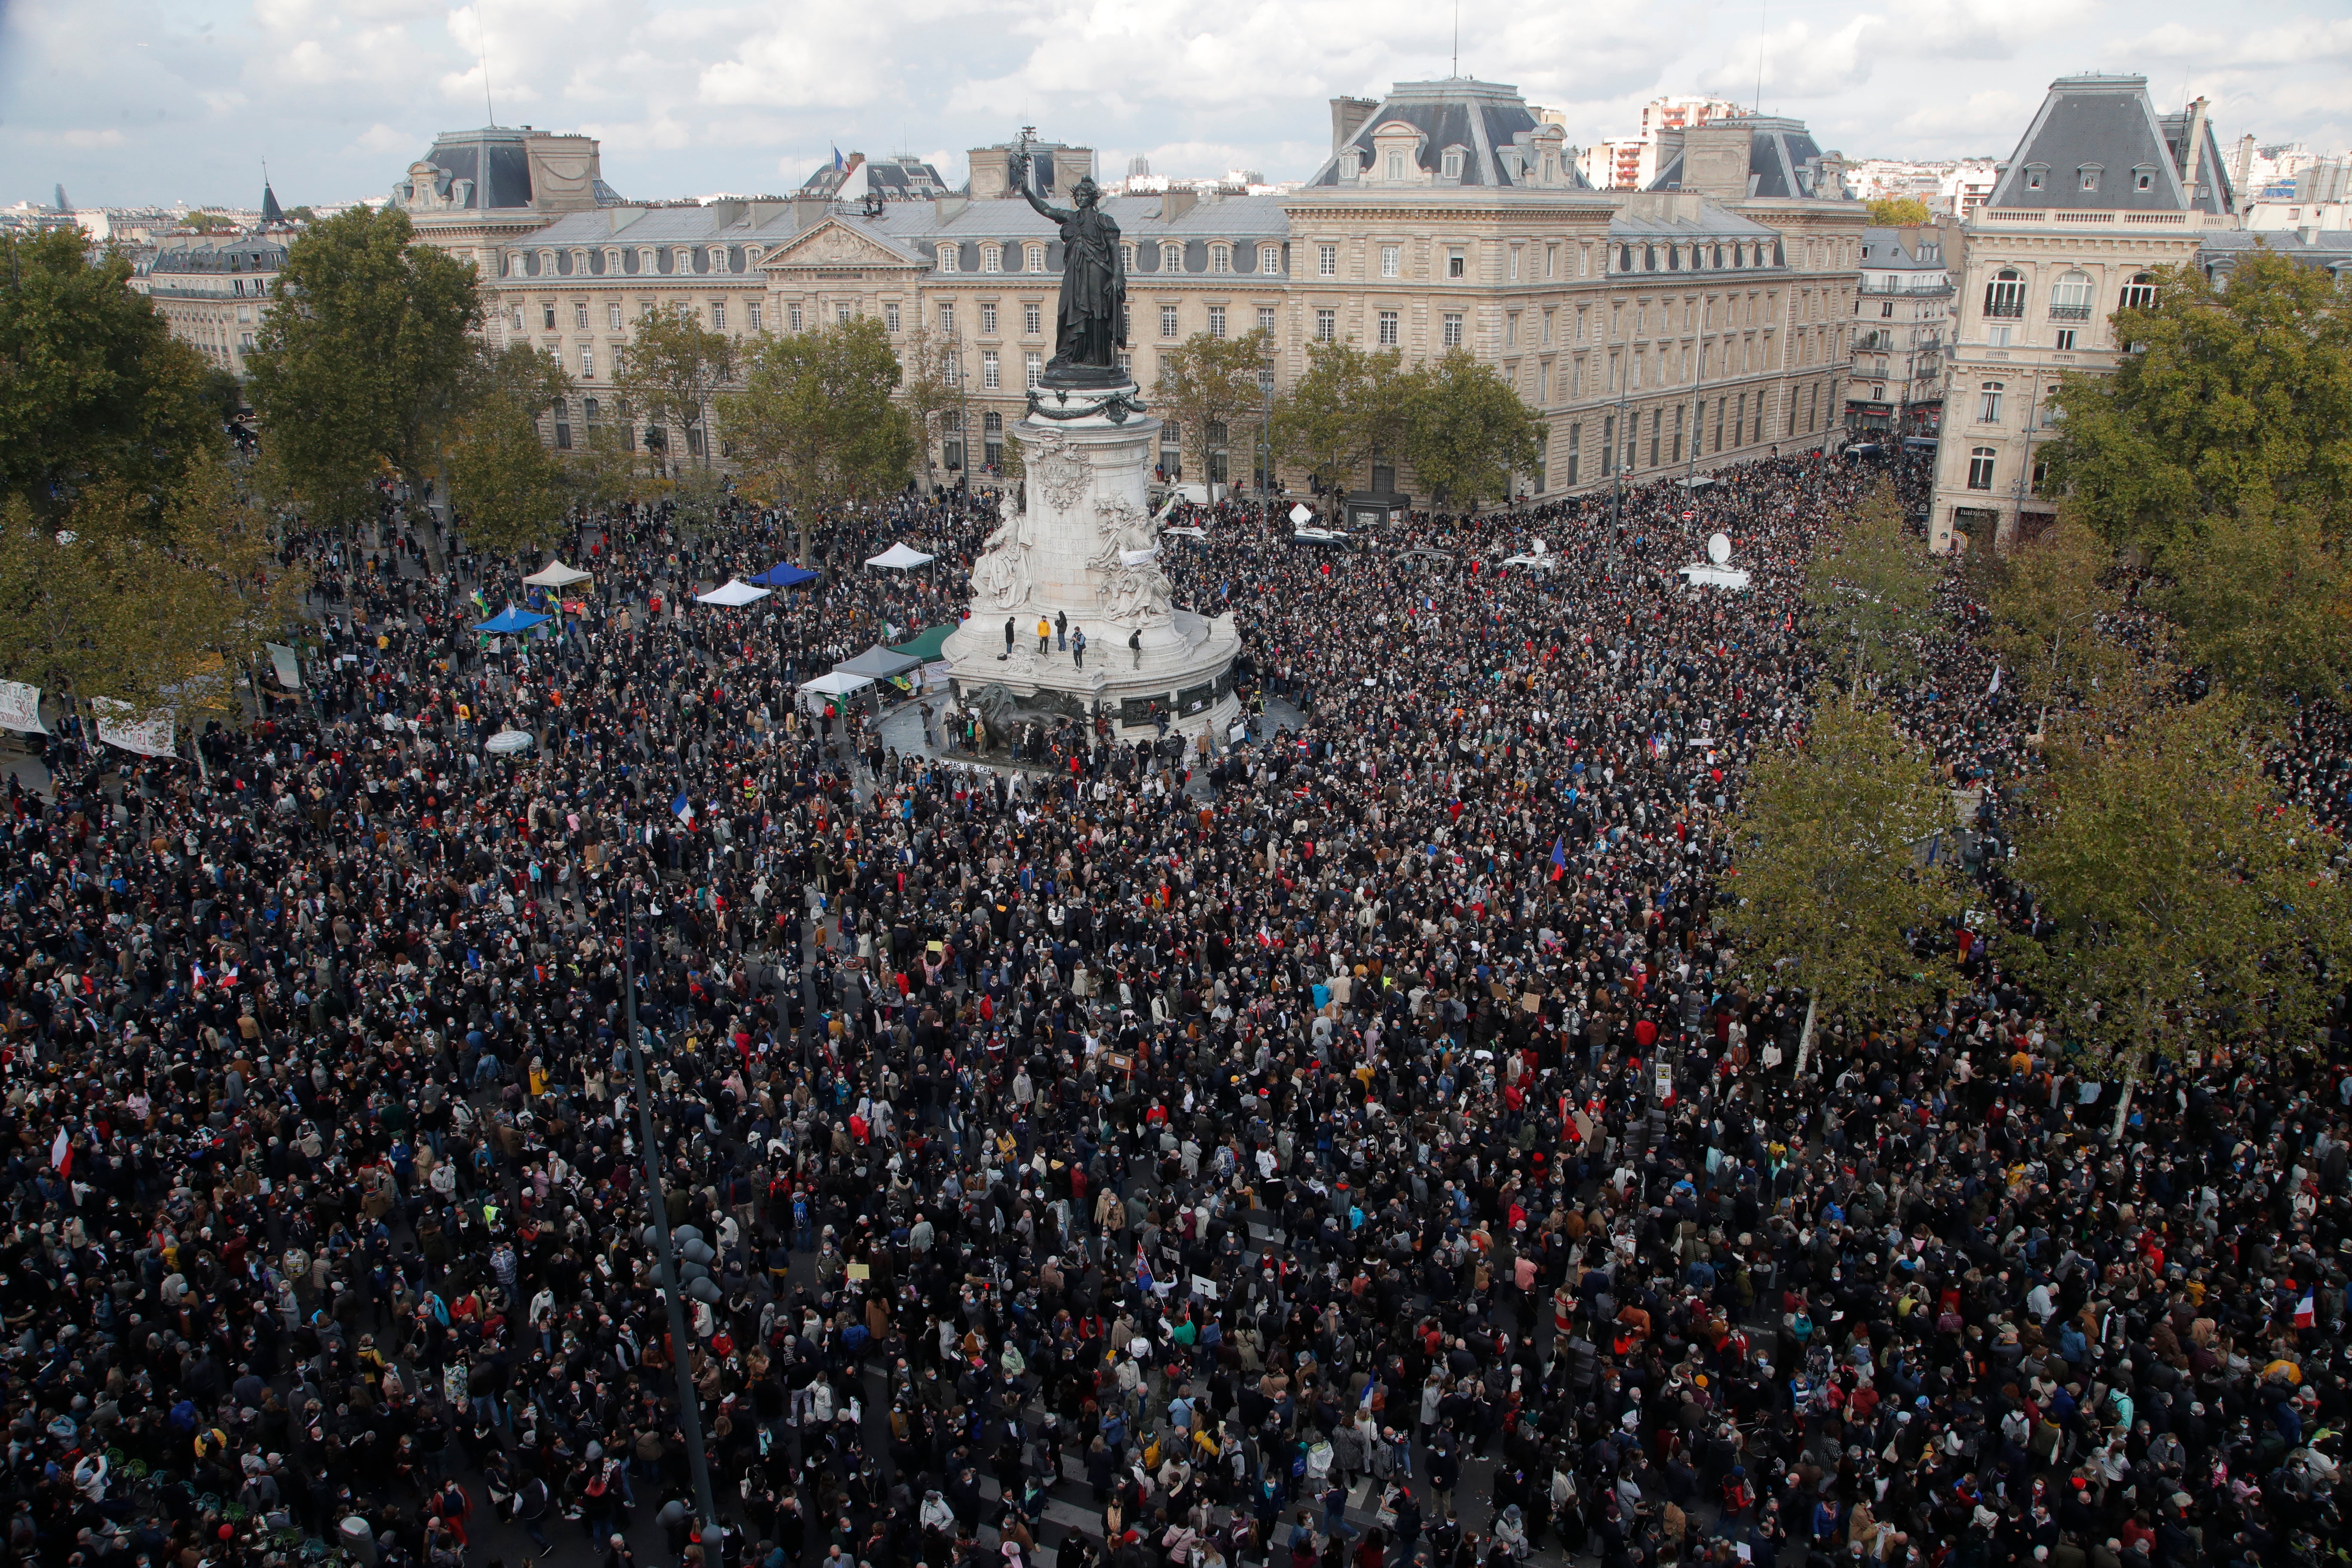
pixel 2192 148
pixel 1715 159
pixel 1176 203
pixel 1348 117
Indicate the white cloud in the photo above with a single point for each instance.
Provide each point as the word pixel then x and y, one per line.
pixel 1798 62
pixel 131 100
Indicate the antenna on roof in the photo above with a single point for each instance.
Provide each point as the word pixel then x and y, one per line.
pixel 1457 38
pixel 1763 9
pixel 482 46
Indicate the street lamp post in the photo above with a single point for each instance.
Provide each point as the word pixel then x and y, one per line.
pixel 657 1219
pixel 1617 460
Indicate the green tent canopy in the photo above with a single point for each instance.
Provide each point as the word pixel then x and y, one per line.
pixel 925 645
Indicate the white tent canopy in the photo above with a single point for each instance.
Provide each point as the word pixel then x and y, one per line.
pixel 900 558
pixel 556 574
pixel 836 684
pixel 733 593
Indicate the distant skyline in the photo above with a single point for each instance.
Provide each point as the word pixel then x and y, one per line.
pixel 134 103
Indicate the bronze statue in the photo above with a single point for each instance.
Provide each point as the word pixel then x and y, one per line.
pixel 1091 323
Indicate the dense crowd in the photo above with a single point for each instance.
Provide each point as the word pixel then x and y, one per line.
pixel 1354 1145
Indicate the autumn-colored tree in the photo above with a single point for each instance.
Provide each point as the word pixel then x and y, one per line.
pixel 671 376
pixel 1873 585
pixel 1466 433
pixel 1210 387
pixel 816 423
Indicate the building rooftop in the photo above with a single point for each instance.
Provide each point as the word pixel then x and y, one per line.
pixel 1783 160
pixel 2097 144
pixel 1487 123
pixel 488 170
pixel 1884 250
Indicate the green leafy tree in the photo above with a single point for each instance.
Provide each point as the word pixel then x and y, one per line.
pixel 93 386
pixel 2051 601
pixel 1466 432
pixel 930 388
pixel 1872 582
pixel 71 618
pixel 2265 605
pixel 1899 212
pixel 363 359
pixel 509 490
pixel 1350 405
pixel 606 468
pixel 2236 404
pixel 816 422
pixel 1839 861
pixel 1210 387
pixel 2192 905
pixel 673 375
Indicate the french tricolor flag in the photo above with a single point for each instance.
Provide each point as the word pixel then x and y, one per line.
pixel 61 1154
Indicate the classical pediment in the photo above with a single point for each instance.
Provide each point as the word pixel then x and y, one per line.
pixel 838 243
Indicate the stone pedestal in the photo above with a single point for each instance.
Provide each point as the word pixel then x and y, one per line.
pixel 1085 546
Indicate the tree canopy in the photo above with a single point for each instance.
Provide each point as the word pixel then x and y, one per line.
pixel 1466 432
pixel 816 421
pixel 2236 404
pixel 362 358
pixel 93 386
pixel 1349 406
pixel 673 372
pixel 1831 876
pixel 1210 385
pixel 1899 212
pixel 1873 585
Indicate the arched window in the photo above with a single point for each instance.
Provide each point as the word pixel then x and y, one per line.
pixel 1988 403
pixel 1624 259
pixel 1718 258
pixel 1649 258
pixel 2139 294
pixel 1981 463
pixel 2005 294
pixel 2070 297
pixel 1674 259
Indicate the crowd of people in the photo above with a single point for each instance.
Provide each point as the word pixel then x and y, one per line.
pixel 1351 1145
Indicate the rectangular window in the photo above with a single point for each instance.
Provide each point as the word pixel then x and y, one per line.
pixel 889 317
pixel 1548 316
pixel 1457 264
pixel 1608 445
pixel 563 437
pixel 2066 340
pixel 1216 320
pixel 947 318
pixel 518 318
pixel 1265 319
pixel 752 316
pixel 1167 321
pixel 547 313
pixel 953 369
pixel 1657 417
pixel 1575 452
pixel 841 314
pixel 1450 331
pixel 613 318
pixel 1989 404
pixel 991 377
pixel 1981 462
pixel 1543 381
pixel 1035 364
pixel 1719 424
pixel 587 362
pixel 1391 260
pixel 1511 330
pixel 1758 434
pixel 1033 319
pixel 594 410
pixel 792 316
pixel 988 318
pixel 1327 261
pixel 1220 259
pixel 1388 329
pixel 1327 326
pixel 718 315
pixel 1675 455
pixel 1551 252
pixel 1513 268
pixel 992 259
pixel 579 318
pixel 1738 417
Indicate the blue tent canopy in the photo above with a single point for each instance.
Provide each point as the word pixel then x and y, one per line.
pixel 783 574
pixel 511 620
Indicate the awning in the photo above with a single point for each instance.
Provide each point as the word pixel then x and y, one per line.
pixel 556 574
pixel 508 621
pixel 785 575
pixel 733 593
pixel 900 558
pixel 926 644
pixel 878 663
pixel 836 684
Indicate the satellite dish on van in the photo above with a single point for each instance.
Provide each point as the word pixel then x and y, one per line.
pixel 1719 548
pixel 1540 548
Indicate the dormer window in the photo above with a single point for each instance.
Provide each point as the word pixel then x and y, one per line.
pixel 1171 257
pixel 948 259
pixel 2144 178
pixel 1033 258
pixel 1220 259
pixel 1396 166
pixel 2088 175
pixel 992 259
pixel 2035 174
pixel 1452 162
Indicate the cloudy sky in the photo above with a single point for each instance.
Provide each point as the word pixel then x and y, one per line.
pixel 132 102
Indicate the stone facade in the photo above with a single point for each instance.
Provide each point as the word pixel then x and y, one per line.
pixel 1636 323
pixel 1902 315
pixel 2102 193
pixel 211 290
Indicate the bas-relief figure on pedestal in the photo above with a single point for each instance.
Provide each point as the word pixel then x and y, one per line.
pixel 1001 578
pixel 1134 587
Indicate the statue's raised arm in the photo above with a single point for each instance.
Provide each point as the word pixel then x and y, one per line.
pixel 1019 170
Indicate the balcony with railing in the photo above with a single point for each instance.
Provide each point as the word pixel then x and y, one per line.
pixel 1912 290
pixel 2006 309
pixel 2070 312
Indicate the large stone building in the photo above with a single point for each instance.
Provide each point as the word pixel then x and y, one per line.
pixel 211 289
pixel 2102 193
pixel 1902 312
pixel 1696 322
